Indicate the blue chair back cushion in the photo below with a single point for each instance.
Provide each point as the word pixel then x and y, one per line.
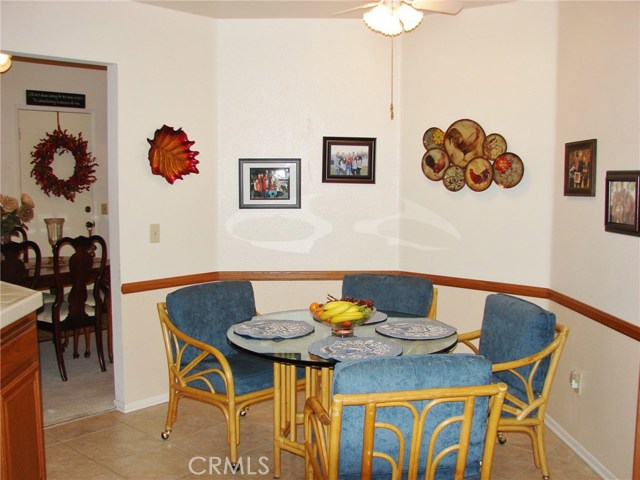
pixel 205 312
pixel 393 293
pixel 514 328
pixel 410 373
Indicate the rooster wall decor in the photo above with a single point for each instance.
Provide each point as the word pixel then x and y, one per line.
pixel 465 155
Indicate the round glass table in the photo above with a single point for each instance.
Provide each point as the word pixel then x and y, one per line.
pixel 289 354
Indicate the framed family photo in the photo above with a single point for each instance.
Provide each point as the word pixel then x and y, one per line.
pixel 622 207
pixel 348 160
pixel 580 168
pixel 270 183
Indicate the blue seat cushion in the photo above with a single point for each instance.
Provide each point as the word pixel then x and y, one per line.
pixel 391 293
pixel 410 373
pixel 250 373
pixel 206 311
pixel 513 328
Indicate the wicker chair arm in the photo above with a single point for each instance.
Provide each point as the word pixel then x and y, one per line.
pixel 312 406
pixel 467 338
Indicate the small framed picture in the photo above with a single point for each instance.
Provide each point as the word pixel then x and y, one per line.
pixel 622 208
pixel 580 168
pixel 270 183
pixel 348 160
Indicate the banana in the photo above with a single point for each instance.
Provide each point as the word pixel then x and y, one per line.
pixel 345 317
pixel 334 304
pixel 352 308
pixel 334 310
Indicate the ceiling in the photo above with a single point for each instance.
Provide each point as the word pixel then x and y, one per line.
pixel 278 8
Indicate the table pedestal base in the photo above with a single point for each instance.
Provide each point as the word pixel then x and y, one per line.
pixel 286 416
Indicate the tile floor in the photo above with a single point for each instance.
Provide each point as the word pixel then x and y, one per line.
pixel 116 446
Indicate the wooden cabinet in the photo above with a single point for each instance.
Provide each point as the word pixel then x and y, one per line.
pixel 22 431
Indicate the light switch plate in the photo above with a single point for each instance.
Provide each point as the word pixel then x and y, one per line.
pixel 154 233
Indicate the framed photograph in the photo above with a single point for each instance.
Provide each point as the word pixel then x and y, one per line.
pixel 580 168
pixel 270 183
pixel 348 160
pixel 622 207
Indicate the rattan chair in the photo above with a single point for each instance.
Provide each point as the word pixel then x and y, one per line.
pixel 202 365
pixel 432 417
pixel 396 293
pixel 524 344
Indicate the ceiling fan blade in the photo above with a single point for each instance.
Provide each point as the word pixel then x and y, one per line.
pixel 450 7
pixel 361 7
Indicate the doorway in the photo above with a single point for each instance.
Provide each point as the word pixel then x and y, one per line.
pixel 23 127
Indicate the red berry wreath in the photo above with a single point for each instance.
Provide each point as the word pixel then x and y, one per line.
pixel 43 156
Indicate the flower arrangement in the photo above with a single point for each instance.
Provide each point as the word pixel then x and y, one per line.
pixel 14 213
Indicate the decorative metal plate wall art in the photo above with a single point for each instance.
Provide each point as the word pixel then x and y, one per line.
pixel 465 155
pixel 170 154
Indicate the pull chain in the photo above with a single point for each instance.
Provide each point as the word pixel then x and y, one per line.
pixel 391 107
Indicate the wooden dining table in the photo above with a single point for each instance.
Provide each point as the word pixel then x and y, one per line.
pixel 47 280
pixel 290 354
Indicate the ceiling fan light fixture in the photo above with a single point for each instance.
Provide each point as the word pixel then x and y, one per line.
pixel 409 16
pixel 384 20
pixel 5 62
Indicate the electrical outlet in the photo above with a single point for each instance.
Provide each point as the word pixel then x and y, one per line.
pixel 575 381
pixel 154 233
pixel 104 209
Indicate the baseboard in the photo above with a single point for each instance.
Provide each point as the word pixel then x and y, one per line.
pixel 579 450
pixel 140 404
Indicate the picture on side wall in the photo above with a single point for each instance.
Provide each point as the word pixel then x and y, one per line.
pixel 348 160
pixel 270 183
pixel 580 168
pixel 622 207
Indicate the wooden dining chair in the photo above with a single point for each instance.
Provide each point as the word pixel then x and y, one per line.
pixel 201 363
pixel 430 416
pixel 79 302
pixel 14 268
pixel 396 293
pixel 524 344
pixel 21 233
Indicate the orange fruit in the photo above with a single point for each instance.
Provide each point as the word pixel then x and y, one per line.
pixel 314 306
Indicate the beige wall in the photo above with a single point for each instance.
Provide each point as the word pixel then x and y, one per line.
pixel 260 94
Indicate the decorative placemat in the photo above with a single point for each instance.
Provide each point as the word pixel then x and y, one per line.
pixel 269 329
pixel 416 329
pixel 377 317
pixel 354 348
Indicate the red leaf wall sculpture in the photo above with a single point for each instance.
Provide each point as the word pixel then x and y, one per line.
pixel 170 154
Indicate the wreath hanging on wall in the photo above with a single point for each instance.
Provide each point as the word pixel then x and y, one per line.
pixel 83 172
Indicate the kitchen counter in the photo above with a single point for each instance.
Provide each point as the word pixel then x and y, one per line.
pixel 16 302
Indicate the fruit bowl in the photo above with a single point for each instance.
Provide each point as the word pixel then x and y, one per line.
pixel 342 316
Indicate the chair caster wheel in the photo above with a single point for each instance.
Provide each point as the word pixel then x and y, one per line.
pixel 502 439
pixel 546 477
pixel 165 434
pixel 244 411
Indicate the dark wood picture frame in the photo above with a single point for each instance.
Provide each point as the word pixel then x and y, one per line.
pixel 580 168
pixel 348 160
pixel 270 183
pixel 622 202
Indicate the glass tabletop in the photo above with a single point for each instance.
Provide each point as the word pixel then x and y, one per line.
pixel 296 350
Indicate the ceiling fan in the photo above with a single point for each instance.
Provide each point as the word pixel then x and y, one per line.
pixel 392 17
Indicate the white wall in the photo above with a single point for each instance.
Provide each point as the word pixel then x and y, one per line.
pixel 497 65
pixel 282 87
pixel 598 97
